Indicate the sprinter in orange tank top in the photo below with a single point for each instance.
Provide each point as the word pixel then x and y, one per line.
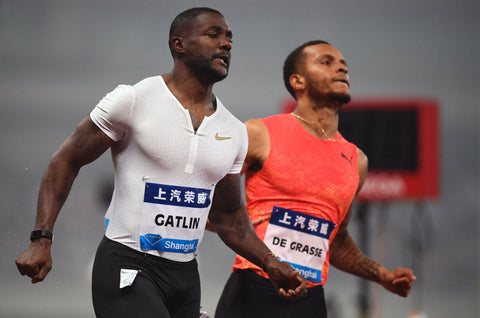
pixel 301 179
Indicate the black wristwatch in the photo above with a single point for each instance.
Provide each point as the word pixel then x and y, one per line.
pixel 37 234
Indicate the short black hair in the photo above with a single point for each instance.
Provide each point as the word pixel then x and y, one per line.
pixel 290 66
pixel 185 18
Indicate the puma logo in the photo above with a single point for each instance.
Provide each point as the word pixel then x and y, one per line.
pixel 349 160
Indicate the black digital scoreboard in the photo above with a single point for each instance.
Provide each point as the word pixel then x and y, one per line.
pixel 388 136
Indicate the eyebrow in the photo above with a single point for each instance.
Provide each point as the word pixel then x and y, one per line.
pixel 331 57
pixel 228 32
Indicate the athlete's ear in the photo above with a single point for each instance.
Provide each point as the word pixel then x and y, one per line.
pixel 297 82
pixel 177 45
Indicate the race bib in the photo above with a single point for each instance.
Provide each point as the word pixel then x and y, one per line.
pixel 300 240
pixel 173 217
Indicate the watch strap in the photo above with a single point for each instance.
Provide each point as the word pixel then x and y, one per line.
pixel 37 234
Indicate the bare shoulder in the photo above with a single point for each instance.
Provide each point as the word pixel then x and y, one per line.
pixel 362 164
pixel 258 145
pixel 257 133
pixel 362 159
pixel 256 127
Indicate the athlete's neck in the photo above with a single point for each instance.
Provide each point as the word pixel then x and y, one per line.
pixel 193 95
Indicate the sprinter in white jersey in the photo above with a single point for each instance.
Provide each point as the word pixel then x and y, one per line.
pixel 162 196
pixel 177 153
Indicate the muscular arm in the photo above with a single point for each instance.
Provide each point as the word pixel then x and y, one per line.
pixel 83 146
pixel 346 255
pixel 230 220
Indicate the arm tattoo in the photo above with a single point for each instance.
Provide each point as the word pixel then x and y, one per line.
pixel 87 139
pixel 346 256
pixel 241 227
pixel 228 207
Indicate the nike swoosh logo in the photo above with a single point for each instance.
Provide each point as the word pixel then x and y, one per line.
pixel 221 137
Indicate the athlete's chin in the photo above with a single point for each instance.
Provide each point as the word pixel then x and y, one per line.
pixel 221 73
pixel 209 72
pixel 217 73
pixel 219 76
pixel 341 98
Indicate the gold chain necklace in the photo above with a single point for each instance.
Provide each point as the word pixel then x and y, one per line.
pixel 311 122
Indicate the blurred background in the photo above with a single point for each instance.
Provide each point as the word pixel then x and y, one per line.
pixel 58 58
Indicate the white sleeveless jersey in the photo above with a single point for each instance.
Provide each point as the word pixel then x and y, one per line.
pixel 165 172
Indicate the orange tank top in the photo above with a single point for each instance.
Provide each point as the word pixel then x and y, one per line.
pixel 303 192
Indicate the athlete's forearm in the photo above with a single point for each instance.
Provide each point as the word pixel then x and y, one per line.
pixel 230 220
pixel 346 256
pixel 54 190
pixel 237 233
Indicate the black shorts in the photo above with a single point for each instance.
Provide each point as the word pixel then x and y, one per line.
pixel 162 288
pixel 249 295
